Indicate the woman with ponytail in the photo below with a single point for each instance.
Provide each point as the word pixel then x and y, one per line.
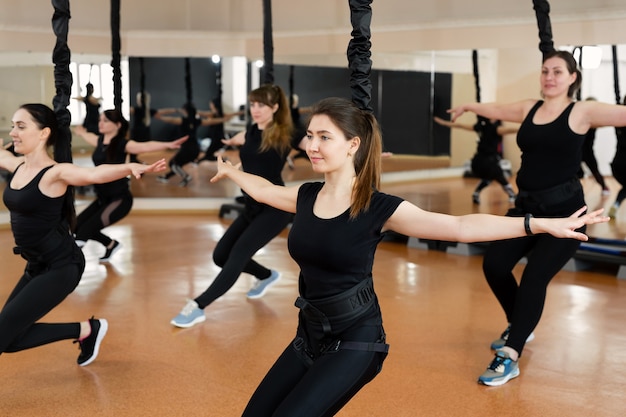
pixel 113 198
pixel 39 197
pixel 340 341
pixel 263 150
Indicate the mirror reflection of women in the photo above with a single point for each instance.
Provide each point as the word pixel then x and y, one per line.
pixel 41 205
pixel 113 199
pixel 215 118
pixel 263 149
pixel 189 121
pixel 141 119
pixel 92 109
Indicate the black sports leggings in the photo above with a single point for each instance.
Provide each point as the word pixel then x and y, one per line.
pixel 523 304
pixel 233 253
pixel 293 388
pixel 34 296
pixel 100 214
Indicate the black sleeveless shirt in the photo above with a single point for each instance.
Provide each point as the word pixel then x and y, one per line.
pixel 33 214
pixel 551 152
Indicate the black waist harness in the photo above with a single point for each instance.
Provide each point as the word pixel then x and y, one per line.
pixel 48 248
pixel 542 200
pixel 341 308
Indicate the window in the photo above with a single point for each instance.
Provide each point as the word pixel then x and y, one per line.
pixel 101 76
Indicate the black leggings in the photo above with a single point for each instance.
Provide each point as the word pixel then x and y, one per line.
pixel 100 214
pixel 34 296
pixel 523 304
pixel 294 388
pixel 233 253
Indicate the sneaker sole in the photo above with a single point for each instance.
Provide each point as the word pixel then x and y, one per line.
pixel 195 321
pixel 104 327
pixel 500 381
pixel 262 293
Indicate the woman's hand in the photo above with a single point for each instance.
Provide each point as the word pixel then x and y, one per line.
pixel 138 169
pixel 456 112
pixel 566 227
pixel 175 144
pixel 223 167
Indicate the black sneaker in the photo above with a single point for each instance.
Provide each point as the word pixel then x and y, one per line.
pixel 90 345
pixel 107 255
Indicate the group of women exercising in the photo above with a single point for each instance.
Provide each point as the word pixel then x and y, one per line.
pixel 337 223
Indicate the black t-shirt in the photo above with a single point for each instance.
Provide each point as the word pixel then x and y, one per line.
pixel 335 254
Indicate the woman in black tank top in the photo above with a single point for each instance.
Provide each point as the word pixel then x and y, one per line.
pixel 114 199
pixel 41 205
pixel 551 138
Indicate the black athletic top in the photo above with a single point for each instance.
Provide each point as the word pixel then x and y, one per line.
pixel 489 137
pixel 268 164
pixel 92 116
pixel 139 131
pixel 335 254
pixel 551 152
pixel 99 157
pixel 33 214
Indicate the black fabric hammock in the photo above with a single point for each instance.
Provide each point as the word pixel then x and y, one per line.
pixel 115 54
pixel 542 13
pixel 61 57
pixel 359 53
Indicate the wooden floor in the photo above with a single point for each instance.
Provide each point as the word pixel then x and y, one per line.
pixel 439 315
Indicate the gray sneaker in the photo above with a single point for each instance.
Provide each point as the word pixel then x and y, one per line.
pixel 500 370
pixel 261 285
pixel 190 314
pixel 501 341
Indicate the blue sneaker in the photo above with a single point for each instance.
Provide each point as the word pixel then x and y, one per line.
pixel 261 285
pixel 500 342
pixel 190 314
pixel 500 371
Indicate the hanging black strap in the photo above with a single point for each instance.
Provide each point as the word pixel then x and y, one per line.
pixel 116 57
pixel 542 13
pixel 268 43
pixel 359 54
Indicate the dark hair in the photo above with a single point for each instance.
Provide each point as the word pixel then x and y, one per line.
pixel 278 134
pixel 353 122
pixel 116 116
pixel 44 117
pixel 572 68
pixel 89 89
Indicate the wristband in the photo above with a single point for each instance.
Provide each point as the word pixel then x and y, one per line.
pixel 527 224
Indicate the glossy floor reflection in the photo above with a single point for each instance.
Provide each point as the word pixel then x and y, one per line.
pixel 439 316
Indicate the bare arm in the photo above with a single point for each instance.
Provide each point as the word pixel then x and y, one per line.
pixel 237 140
pixel 263 191
pixel 135 147
pixel 450 124
pixel 510 112
pixel 56 180
pixel 410 220
pixel 598 114
pixel 89 137
pixel 507 130
pixel 8 161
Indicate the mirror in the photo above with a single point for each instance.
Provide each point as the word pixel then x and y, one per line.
pixel 505 74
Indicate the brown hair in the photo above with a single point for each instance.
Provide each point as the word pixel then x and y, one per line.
pixel 277 134
pixel 572 68
pixel 353 122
